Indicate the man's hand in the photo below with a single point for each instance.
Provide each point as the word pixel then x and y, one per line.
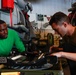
pixel 68 55
pixel 53 49
pixel 58 54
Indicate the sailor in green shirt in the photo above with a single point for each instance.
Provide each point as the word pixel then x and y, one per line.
pixel 8 39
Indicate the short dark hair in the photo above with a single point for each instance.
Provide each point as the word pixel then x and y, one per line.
pixel 59 18
pixel 1 21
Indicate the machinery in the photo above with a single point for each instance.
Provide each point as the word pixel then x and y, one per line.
pixel 43 65
pixel 72 15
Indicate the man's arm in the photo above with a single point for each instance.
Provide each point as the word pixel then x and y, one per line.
pixel 18 43
pixel 55 49
pixel 71 56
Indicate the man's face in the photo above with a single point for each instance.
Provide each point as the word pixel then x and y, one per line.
pixel 3 31
pixel 60 29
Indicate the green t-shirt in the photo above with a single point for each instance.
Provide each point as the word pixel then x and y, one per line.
pixel 7 44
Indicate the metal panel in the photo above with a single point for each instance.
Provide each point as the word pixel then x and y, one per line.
pixel 38 72
pixel 0 4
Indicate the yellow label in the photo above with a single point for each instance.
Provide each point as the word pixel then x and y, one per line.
pixel 10 73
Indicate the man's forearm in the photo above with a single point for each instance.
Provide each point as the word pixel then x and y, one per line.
pixel 71 56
